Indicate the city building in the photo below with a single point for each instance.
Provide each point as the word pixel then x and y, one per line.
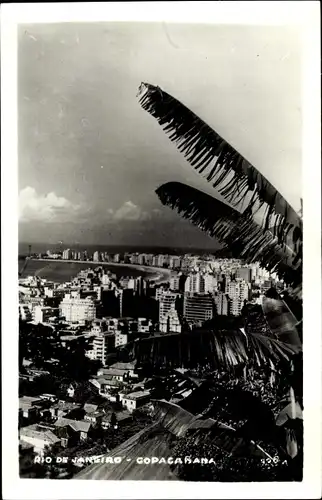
pixel 96 256
pixel 235 306
pixel 25 312
pixel 175 282
pixel 67 254
pixel 134 400
pixel 44 314
pixel 144 325
pixel 237 290
pixel 166 299
pixel 200 283
pixel 101 345
pixel 222 303
pixel 170 322
pixel 198 308
pixel 77 310
pixel 121 338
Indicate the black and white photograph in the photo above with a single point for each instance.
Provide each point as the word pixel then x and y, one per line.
pixel 159 254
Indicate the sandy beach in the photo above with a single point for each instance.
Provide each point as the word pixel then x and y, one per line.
pixel 156 274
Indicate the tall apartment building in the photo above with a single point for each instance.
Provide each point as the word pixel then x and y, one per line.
pixel 200 283
pixel 222 304
pixel 102 344
pixel 198 308
pixel 67 254
pixel 165 302
pixel 96 256
pixel 170 322
pixel 237 290
pixel 175 282
pixel 77 310
pixel 235 306
pixel 174 262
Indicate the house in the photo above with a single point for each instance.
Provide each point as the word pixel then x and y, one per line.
pixel 62 408
pixel 119 374
pixel 40 437
pixel 94 417
pixel 30 407
pixel 128 367
pixel 107 387
pixel 49 397
pixel 90 408
pixel 134 400
pixel 80 426
pixel 121 417
pixel 68 436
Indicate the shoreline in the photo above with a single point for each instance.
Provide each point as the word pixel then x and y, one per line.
pixel 158 273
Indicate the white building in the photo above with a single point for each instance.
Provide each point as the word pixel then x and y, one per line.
pixel 238 290
pixel 77 310
pixel 236 306
pixel 96 256
pixel 43 314
pixel 102 345
pixel 200 283
pixel 121 338
pixel 171 321
pixel 67 254
pixel 166 299
pixel 134 400
pixel 25 312
pixel 144 325
pixel 175 282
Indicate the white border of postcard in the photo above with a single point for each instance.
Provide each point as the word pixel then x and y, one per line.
pixel 305 14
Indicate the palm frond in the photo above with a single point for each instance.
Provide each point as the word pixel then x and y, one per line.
pixel 222 165
pixel 238 232
pixel 281 321
pixel 216 349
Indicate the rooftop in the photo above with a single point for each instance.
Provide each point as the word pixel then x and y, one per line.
pixel 137 395
pixel 76 425
pixel 37 432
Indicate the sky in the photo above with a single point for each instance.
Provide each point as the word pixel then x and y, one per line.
pixel 90 158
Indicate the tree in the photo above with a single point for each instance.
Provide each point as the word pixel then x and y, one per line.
pixel 275 242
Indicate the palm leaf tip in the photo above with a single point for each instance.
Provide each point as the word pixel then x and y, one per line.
pixel 239 233
pixel 222 165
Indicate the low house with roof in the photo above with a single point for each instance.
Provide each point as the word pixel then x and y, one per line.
pixel 120 418
pixel 81 427
pixel 40 437
pixel 94 417
pixel 107 387
pixel 130 368
pixel 90 407
pixel 134 400
pixel 68 436
pixel 63 408
pixel 121 375
pixel 31 407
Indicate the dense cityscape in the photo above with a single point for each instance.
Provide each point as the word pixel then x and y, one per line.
pixel 80 392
